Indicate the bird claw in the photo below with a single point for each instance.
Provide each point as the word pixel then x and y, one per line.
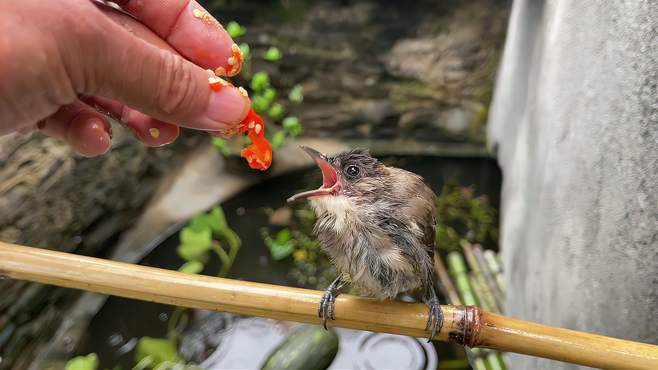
pixel 327 306
pixel 434 319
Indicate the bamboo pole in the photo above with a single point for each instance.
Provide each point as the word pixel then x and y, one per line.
pixel 465 325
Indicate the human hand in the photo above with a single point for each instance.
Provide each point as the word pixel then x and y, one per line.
pixel 61 62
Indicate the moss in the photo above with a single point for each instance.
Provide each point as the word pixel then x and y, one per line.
pixel 404 95
pixel 461 215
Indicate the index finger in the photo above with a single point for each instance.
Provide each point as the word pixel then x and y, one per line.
pixel 191 30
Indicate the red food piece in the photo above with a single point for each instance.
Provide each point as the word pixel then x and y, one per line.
pixel 259 153
pixel 216 83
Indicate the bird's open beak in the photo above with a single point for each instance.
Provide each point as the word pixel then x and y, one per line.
pixel 330 183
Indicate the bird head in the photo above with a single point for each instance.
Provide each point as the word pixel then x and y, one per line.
pixel 354 175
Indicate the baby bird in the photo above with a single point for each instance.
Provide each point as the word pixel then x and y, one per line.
pixel 376 223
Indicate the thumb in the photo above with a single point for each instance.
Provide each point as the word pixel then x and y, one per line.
pixel 157 82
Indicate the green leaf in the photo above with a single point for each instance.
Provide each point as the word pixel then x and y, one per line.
pixel 245 50
pixel 197 233
pixel 276 111
pixel 292 126
pixel 158 349
pixel 218 219
pixel 191 252
pixel 282 246
pixel 191 267
pixel 89 362
pixel 283 236
pixel 296 95
pixel 260 81
pixel 272 54
pixel 259 103
pixel 195 242
pixel 269 94
pixel 278 139
pixel 220 145
pixel 234 29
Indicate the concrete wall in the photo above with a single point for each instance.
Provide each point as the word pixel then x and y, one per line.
pixel 574 122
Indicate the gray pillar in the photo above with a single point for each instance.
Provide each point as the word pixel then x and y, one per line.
pixel 574 123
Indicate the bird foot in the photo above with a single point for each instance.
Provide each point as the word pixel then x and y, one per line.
pixel 434 319
pixel 327 305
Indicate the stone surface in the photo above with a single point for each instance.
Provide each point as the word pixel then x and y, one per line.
pixel 575 123
pixel 381 69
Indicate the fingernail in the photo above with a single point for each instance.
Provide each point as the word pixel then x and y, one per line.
pixel 89 137
pixel 161 135
pixel 226 108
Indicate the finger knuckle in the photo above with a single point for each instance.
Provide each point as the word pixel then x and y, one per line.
pixel 176 90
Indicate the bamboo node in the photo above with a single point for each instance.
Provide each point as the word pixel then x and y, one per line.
pixel 467 330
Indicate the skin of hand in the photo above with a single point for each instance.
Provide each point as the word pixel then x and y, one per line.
pixel 66 65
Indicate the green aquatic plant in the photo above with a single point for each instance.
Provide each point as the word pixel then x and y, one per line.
pixel 151 352
pixel 296 94
pixel 272 54
pixel 281 246
pixel 276 111
pixel 206 234
pixel 292 126
pixel 235 29
pixel 260 81
pixel 88 362
pixel 263 95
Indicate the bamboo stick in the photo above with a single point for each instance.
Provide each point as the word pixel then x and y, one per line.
pixel 465 325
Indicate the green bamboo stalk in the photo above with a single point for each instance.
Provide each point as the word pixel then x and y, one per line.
pixel 487 299
pixel 479 364
pixel 478 289
pixel 485 295
pixel 457 269
pixel 493 261
pixel 489 278
pixel 494 362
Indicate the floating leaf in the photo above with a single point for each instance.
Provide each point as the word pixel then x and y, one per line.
pixel 276 111
pixel 296 94
pixel 218 219
pixel 197 233
pixel 234 29
pixel 159 350
pixel 281 246
pixel 272 54
pixel 260 81
pixel 195 242
pixel 89 362
pixel 191 252
pixel 292 126
pixel 191 267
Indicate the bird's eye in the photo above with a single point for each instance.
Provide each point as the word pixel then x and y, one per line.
pixel 352 171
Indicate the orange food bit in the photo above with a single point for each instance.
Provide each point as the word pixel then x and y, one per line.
pixel 234 61
pixel 217 83
pixel 259 153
